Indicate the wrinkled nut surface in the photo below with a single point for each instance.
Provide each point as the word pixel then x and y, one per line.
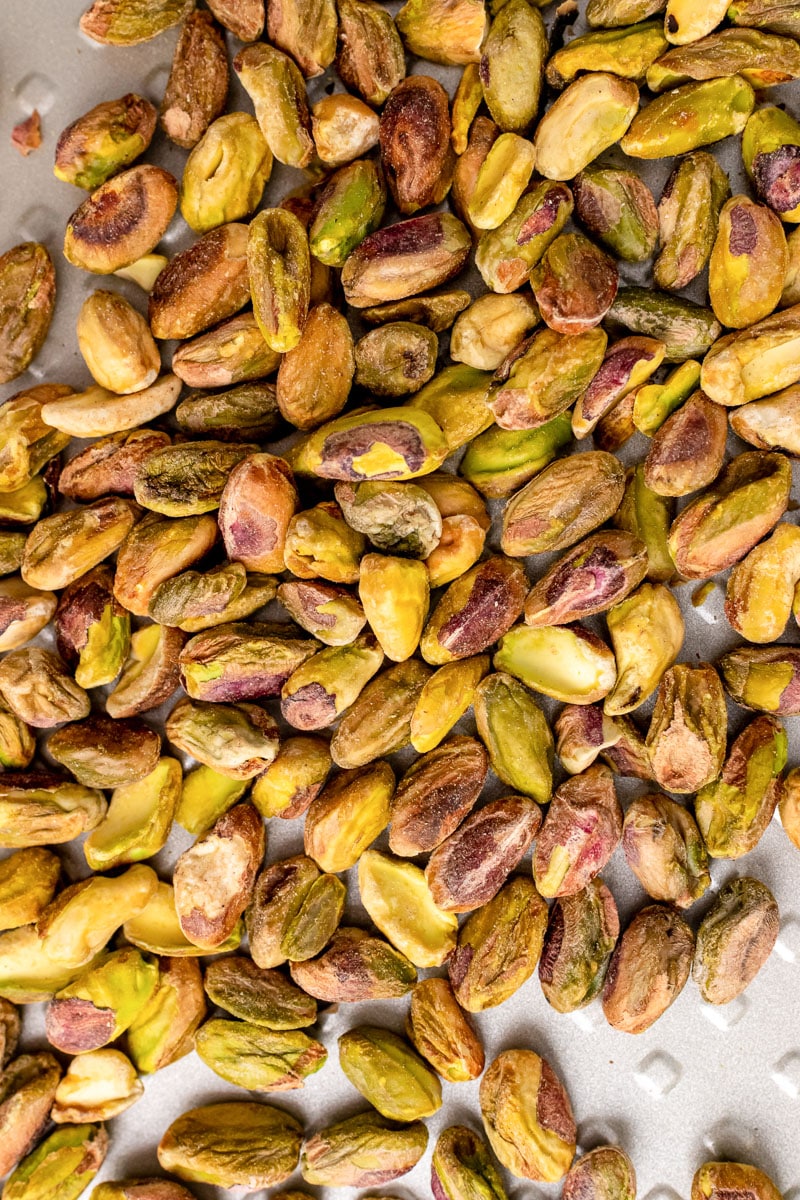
pixel 734 811
pixel 27 299
pixel 202 285
pixel 735 939
pixel 665 851
pixel 714 1179
pixel 122 220
pixel 687 736
pixel 258 1059
pixel 238 1144
pixel 462 1166
pixel 435 794
pixel 416 154
pixel 261 996
pixel 441 1032
pixel 603 1173
pixel 27 1089
pixel 527 1116
pixel 648 970
pixel 581 934
pixel 197 87
pixel 580 832
pixel 355 966
pixel 363 1151
pixel 388 1073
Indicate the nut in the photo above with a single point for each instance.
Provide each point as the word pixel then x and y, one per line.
pixel 654 403
pixel 139 817
pixel 439 1029
pixel 506 256
pixel 225 174
pixel 597 573
pixel 416 154
pixel 164 1029
pixel 665 851
pixel 567 662
pixel 734 811
pixel 262 997
pixel 400 904
pixel 27 975
pixel 319 542
pixel 475 611
pixel 443 32
pixel 314 379
pixel 748 263
pixel 103 753
pixel 39 807
pixel 380 720
pixel 687 736
pixel 27 1089
pixel 581 831
pixel 202 285
pixel 399 517
pixel 237 740
pixel 735 939
pixel 761 587
pixel 486 333
pixel 27 299
pixel 124 23
pixel 362 1151
pixel 697 114
pixel 344 128
pixel 574 284
pixel 28 882
pixel 687 330
pixel 102 1002
pixel 280 276
pixel 688 218
pixel 256 1058
pixel 581 935
pixel 354 967
pixel 396 359
pixel 294 912
pixel 234 352
pixel 405 259
pixel 92 628
pixel 158 931
pixel 214 879
pixel 649 516
pixel 647 633
pixel 512 65
pixel 444 699
pixel 187 479
pixel 754 362
pixel 544 375
pixel 603 1172
pixel 347 816
pixel 370 58
pixel 38 690
pixel 435 794
pixel 498 946
pixel 649 969
pixel 527 1116
pixel 462 1166
pixel 238 1144
pixel 570 136
pixel 97 1085
pixel 714 1178
pixel 122 220
pixel 150 674
pixel 388 1073
pixel 516 734
pixel 104 140
pixel 771 146
pixel 109 465
pixel 627 52
pixel 24 612
pixel 278 92
pixel 688 451
pixel 197 87
pixel 83 917
pixel 608 398
pixel 293 779
pixel 98 411
pixel 327 611
pixel 245 20
pixel 763 678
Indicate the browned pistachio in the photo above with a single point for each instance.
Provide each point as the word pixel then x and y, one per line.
pixel 370 58
pixel 261 996
pixel 405 259
pixel 771 424
pixel 257 503
pixel 329 612
pixel 527 1116
pixel 475 611
pixel 27 299
pixel 24 612
pixel 735 939
pixel 242 661
pixel 602 1173
pixel 348 814
pixel 362 1151
pixel 723 524
pixel 234 352
pixel 687 736
pixel 665 851
pixel 649 969
pixel 396 359
pixel 468 869
pixel 294 912
pixel 482 136
pixel 416 154
pixel 748 264
pixel 10 1026
pixel 627 364
pixel 124 219
pixel 435 795
pixel 574 284
pixel 592 577
pixel 582 829
pixel 315 377
pixel 436 311
pixel 92 628
pixel 380 720
pixel 581 935
pixel 688 216
pixel 439 1029
pixel 246 413
pixel 562 504
pixel 498 946
pixel 306 31
pixel 155 550
pixel 344 128
pixel 109 465
pixel 244 18
pixel 104 140
pixel 151 673
pixel 278 92
pixel 355 966
pixel 103 753
pixel 734 811
pixel 714 1179
pixel 64 546
pixel 688 451
pixel 320 544
pixel 197 88
pixel 202 285
pixel 544 375
pixel 616 427
pixel 37 688
pixel 294 779
pixel 27 1090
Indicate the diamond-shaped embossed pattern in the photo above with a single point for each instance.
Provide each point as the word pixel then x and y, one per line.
pixel 786 1074
pixel 658 1074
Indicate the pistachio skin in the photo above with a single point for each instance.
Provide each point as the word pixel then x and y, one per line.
pixel 714 1178
pixel 527 1116
pixel 389 1074
pixel 604 1172
pixel 27 300
pixel 735 939
pixel 462 1166
pixel 734 811
pixel 498 946
pixel 582 931
pixel 239 1143
pixel 649 969
pixel 665 851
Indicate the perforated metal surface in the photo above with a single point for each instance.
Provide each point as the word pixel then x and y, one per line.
pixel 704 1082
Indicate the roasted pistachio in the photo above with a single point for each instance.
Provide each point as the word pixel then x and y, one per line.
pixel 12 547
pixel 294 779
pixel 225 174
pixel 380 720
pixel 124 23
pixel 562 504
pixel 232 353
pixel 688 218
pixel 370 57
pixel 516 734
pixel 205 796
pixel 770 424
pixel 475 611
pixel 544 375
pixel 24 612
pixel 697 114
pixel 649 969
pixel 462 1167
pixel 122 220
pixel 39 807
pixel 238 1144
pixel 278 93
pixel 65 546
pixel 306 32
pixel 665 851
pixel 259 1059
pixel 490 328
pixel 262 997
pixel 735 939
pixel 187 479
pixel 387 1072
pixel 734 810
pixel 17 743
pixel 582 829
pixel 527 1116
pixel 614 13
pixel 109 465
pixel 294 912
pixel 97 1085
pixel 506 256
pixel 151 673
pixel 763 678
pixel 104 140
pixel 62 1165
pixel 320 543
pixel 237 740
pixel 761 58
pixel 715 1178
pixel 439 1029
pixel 574 284
pixel 604 1172
pixel 145 1189
pixel 103 753
pixel 770 148
pixel 754 362
pixel 405 259
pixel 102 1002
pixel 400 904
pixel 280 276
pixel 498 946
pixel 569 137
pixel 27 975
pixel 328 682
pixel 164 1029
pixel 27 1089
pixel 315 377
pixel 655 402
pixel 355 966
pixel 596 574
pixel 92 628
pixel 139 817
pixel 82 918
pixel 436 311
pixel 647 633
pixel 37 688
pixel 399 517
pixel 362 1151
pixel 416 154
pixel 581 935
pixel 329 612
pixel 27 299
pixel 348 814
pixel 344 128
pixel 435 794
pixel 762 586
pixel 687 735
pixel 567 662
pixel 748 263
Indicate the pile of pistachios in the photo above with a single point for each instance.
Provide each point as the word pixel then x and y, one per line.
pixel 146 554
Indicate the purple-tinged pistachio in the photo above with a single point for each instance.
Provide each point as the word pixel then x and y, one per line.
pixel 748 263
pixel 97 1085
pixel 370 58
pixel 104 140
pixel 468 869
pixel 237 740
pixel 583 732
pixel 37 688
pixel 278 92
pixel 27 1089
pixel 241 661
pixel 682 120
pixel 387 444
pixel 157 930
pixel 435 794
pixel 388 1073
pixel 714 1180
pixel 402 518
pixel 416 154
pixel 444 699
pixel 92 628
pixel 405 259
pixel 355 966
pixel 151 673
pixel 581 935
pixel 527 1116
pixel 512 65
pixel 627 364
pixel 605 1173
pixel 735 939
pixel 120 222
pixel 629 755
pixel 462 1165
pixel 649 969
pixel 197 87
pixel 627 51
pixel 109 465
pixel 754 362
pixel 380 720
pixel 617 207
pixel 574 284
pixel 436 311
pixel 486 333
pixel 687 329
pixel 66 545
pixel 280 276
pixel 348 814
pixel 761 588
pixel 202 285
pixel 567 662
pixel 261 1060
pixel 562 504
pixel 328 682
pixel 654 403
pixel 687 736
pixel 789 807
pixel 225 174
pixel 27 299
pixel 138 820
pixel 320 544
pixel 344 128
pixel 260 996
pixel 734 811
pixel 762 59
pixel 329 612
pixel 613 13
pixel 441 1032
pixel 28 882
pixel 475 611
pixel 294 779
pixel 544 375
pixel 256 505
pixel 102 1003
pixel 314 379
pixel 506 256
pixel 442 31
pixel 569 137
pixel 24 612
pixel 305 31
pixel 498 946
pixel 648 516
pixel 397 899
pixel 592 577
pixel 103 753
pixel 764 678
pixel 722 525
pixel 665 851
pixel 582 829
pixel 770 150
pixel 234 352
pixel 516 734
pixel 42 808
pixel 647 632
pixel 688 215
pixel 239 1144
pixel 363 1151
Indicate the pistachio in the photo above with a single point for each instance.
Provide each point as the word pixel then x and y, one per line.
pixel 416 154
pixel 462 1166
pixel 197 596
pixel 748 263
pixel 665 851
pixel 527 1116
pixel 395 359
pixel 735 939
pixel 697 114
pixel 314 378
pixel 82 918
pixel 164 1029
pixel 294 912
pixel 26 1093
pixel 104 140
pixel 39 807
pixel 103 753
pixel 24 612
pixel 293 779
pixel 617 207
pixel 347 816
pixel 27 975
pixel 327 611
pixel 443 32
pixel 92 628
pixel 320 543
pixel 205 796
pixel 239 1144
pixel 122 220
pixel 627 364
pixel 570 137
pixel 688 218
pixel 241 662
pixel 405 259
pixel 627 51
pixel 202 285
pixel 654 403
pixel 581 935
pixel 10 1028
pixel 444 699
pixel 468 869
pixel 770 424
pixel 344 128
pixel 596 574
pixel 27 885
pixel 150 674
pixel 621 12
pixel 687 735
pixel 562 504
pixel 26 443
pixel 306 32
pixel 714 1178
pixel 476 611
pixel 761 587
pixel 389 1074
pixel 647 515
pixel 329 682
pixel 380 720
pixel 355 966
pixel 506 256
pixel 97 1085
pixel 102 1003
pixel 399 902
pixel 567 662
pixel 686 329
pixel 649 969
pixel 604 1172
pixel 498 946
pixel 187 479
pixel 260 996
pixel 65 546
pixel 98 411
pixel 109 465
pixel 440 1031
pixel 398 517
pixel 245 20
pixel 516 734
pixel 277 90
pixel 225 174
pixel 17 743
pixel 214 879
pixel 27 299
pixel 234 352
pixel 754 362
pixel 688 450
pixel 38 690
pixel 582 829
pixel 770 147
pixel 734 811
pixel 237 740
pixel 486 333
pixel 139 817
pixel 761 58
pixel 763 678
pixel 435 794
pixel 512 65
pixel 125 23
pixel 258 1059
pixel 362 1151
pixel 574 284
pixel 789 807
pixel 394 593
pixel 280 276
pixel 498 461
pixel 62 1165
pixel 158 931
pixel 436 311
pixel 501 180
pixel 544 375
pixel 12 546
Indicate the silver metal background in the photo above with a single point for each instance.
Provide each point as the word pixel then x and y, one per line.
pixel 704 1082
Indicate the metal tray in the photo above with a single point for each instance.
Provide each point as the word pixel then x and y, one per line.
pixel 704 1082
